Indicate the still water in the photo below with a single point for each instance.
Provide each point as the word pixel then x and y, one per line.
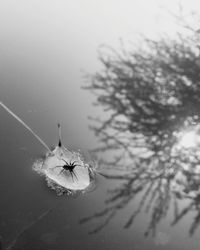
pixel 32 216
pixel 41 50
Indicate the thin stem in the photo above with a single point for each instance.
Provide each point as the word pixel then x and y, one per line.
pixel 25 125
pixel 60 136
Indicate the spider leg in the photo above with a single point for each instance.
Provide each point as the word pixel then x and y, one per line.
pixel 76 164
pixel 73 162
pixel 62 171
pixel 57 167
pixel 64 161
pixel 74 174
pixel 71 173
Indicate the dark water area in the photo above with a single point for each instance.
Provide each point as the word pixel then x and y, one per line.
pixel 25 196
pixel 142 204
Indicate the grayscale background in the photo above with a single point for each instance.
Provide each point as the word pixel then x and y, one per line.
pixel 46 46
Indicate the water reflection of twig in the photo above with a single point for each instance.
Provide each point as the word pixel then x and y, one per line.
pixel 25 229
pixel 151 96
pixel 29 226
pixel 158 190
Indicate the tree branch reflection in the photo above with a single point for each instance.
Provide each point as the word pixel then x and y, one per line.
pixel 159 187
pixel 150 96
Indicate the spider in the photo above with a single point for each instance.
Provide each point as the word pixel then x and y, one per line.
pixel 69 167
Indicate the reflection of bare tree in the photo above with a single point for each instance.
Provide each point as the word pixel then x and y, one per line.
pixel 150 95
pixel 158 190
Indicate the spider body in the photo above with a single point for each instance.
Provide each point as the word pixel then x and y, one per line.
pixel 69 167
pixel 68 170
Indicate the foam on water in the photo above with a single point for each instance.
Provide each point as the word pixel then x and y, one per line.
pixel 63 181
pixel 77 177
